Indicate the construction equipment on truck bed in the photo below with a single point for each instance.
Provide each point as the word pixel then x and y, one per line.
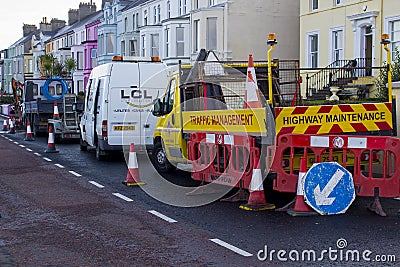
pixel 41 97
pixel 205 118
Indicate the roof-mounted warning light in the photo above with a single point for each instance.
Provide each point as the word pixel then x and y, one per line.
pixel 117 58
pixel 155 59
pixel 385 39
pixel 271 39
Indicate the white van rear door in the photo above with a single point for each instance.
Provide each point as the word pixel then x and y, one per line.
pixel 123 120
pixel 153 80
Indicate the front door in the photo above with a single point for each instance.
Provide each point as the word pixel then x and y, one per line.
pixel 366 52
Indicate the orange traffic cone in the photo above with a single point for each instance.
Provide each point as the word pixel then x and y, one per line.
pixel 56 115
pixel 252 96
pixel 29 136
pixel 132 177
pixel 12 129
pixel 300 206
pixel 257 200
pixel 5 125
pixel 51 146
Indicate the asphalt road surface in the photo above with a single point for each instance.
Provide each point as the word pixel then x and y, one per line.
pixel 68 209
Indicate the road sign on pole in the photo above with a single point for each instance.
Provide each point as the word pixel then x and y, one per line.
pixel 329 188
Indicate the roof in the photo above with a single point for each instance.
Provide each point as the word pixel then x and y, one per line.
pixel 89 19
pixel 134 3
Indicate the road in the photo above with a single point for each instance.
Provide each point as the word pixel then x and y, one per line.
pixel 68 209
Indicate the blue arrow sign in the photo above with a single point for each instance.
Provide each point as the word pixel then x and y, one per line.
pixel 329 188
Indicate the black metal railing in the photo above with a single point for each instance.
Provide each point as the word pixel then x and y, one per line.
pixel 338 73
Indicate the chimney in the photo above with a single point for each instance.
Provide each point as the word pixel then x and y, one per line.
pixel 44 26
pixel 73 16
pixel 27 29
pixel 86 9
pixel 56 24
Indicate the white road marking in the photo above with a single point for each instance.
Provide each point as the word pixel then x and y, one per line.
pixel 397 198
pixel 10 140
pixel 96 184
pixel 59 166
pixel 230 247
pixel 37 154
pixel 75 173
pixel 21 145
pixel 28 149
pixel 16 143
pixel 122 197
pixel 47 159
pixel 162 216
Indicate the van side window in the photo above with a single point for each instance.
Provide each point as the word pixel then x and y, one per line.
pixel 169 97
pixel 88 92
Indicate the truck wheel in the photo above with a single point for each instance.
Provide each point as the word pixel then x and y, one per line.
pixel 82 144
pixel 160 160
pixel 100 153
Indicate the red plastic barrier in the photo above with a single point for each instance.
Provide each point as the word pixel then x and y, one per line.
pixel 222 159
pixel 374 161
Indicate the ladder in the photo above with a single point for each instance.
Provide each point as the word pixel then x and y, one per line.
pixel 70 116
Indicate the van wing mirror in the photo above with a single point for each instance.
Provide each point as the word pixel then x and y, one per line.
pixel 157 108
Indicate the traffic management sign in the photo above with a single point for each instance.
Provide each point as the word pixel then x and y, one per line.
pixel 329 188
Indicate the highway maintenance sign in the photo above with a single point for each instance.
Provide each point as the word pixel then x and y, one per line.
pixel 329 188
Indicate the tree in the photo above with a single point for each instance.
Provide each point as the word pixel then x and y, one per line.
pixel 49 66
pixel 382 78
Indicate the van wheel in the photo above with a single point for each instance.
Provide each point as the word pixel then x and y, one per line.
pixel 160 160
pixel 100 153
pixel 82 144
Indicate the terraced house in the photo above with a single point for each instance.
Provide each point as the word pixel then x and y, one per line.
pixel 339 33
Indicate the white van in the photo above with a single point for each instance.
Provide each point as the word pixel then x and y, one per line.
pixel 119 98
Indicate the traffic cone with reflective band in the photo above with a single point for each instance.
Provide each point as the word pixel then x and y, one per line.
pixel 5 125
pixel 257 200
pixel 300 206
pixel 29 136
pixel 56 115
pixel 132 177
pixel 12 129
pixel 252 96
pixel 51 146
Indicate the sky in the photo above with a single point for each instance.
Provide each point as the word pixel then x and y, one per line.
pixel 15 13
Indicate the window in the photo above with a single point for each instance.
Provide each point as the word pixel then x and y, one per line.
pixel 196 36
pixel 110 43
pixel 79 64
pixel 155 15
pixel 180 42
pixel 394 36
pixel 184 6
pixel 337 46
pixel 166 42
pixel 338 2
pixel 180 7
pixel 132 45
pixel 115 14
pixel 169 97
pixel 126 24
pixel 80 86
pixel 314 5
pixel 122 48
pixel 168 9
pixel 196 4
pixel 313 50
pixel 30 65
pixel 211 2
pixel 145 18
pixel 143 46
pixel 93 57
pixel 101 44
pixel 155 45
pixel 211 34
pixel 134 22
pixel 159 13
